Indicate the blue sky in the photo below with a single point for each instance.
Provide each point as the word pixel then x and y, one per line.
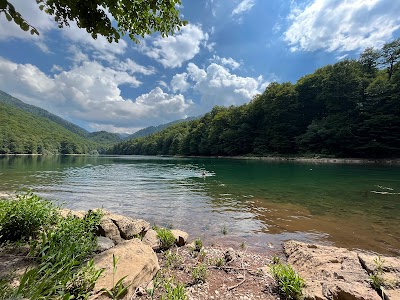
pixel 228 53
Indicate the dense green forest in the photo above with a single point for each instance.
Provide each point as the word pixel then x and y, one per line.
pixel 348 109
pixel 27 129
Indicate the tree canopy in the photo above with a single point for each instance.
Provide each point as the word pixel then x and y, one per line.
pixel 348 109
pixel 132 17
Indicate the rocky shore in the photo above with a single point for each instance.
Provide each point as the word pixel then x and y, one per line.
pixel 214 272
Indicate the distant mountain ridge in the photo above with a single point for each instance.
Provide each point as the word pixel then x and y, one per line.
pixel 154 129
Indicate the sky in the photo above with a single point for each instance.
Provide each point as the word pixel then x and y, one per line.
pixel 230 51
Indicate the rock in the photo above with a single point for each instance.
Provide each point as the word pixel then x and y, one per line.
pixel 140 291
pixel 181 237
pixel 108 229
pixel 136 261
pixel 104 243
pixel 151 239
pixel 329 272
pixel 390 268
pixel 79 214
pixel 229 255
pixel 129 228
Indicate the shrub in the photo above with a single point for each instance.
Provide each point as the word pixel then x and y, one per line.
pixel 289 282
pixel 198 244
pixel 22 218
pixel 173 260
pixel 167 239
pixel 174 291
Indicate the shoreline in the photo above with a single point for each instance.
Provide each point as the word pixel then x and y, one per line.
pixel 302 159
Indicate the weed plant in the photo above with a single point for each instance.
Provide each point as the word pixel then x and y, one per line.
pixel 198 245
pixel 219 262
pixel 173 291
pixel 289 282
pixel 167 239
pixel 24 217
pixel 60 249
pixel 173 260
pixel 199 273
pixel 118 289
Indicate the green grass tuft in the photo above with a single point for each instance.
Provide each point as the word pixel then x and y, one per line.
pixel 289 282
pixel 167 239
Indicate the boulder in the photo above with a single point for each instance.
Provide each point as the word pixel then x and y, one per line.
pixel 103 244
pixel 330 272
pixel 151 239
pixel 181 237
pixel 129 228
pixel 136 261
pixel 108 229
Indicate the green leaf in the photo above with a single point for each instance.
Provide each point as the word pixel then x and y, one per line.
pixel 9 18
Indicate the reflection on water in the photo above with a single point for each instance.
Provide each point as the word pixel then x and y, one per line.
pixel 260 203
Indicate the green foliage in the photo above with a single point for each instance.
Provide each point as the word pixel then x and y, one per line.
pixel 23 217
pixel 349 109
pixel 135 18
pixel 118 290
pixel 219 262
pixel 224 230
pixel 167 239
pixel 377 281
pixel 173 260
pixel 198 245
pixel 289 282
pixel 199 273
pixel 60 251
pixel 174 291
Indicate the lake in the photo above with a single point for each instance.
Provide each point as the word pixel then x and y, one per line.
pixel 256 202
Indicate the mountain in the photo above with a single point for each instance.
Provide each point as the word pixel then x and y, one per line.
pixel 28 129
pixel 154 129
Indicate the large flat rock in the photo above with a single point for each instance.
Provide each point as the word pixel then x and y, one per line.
pixel 330 272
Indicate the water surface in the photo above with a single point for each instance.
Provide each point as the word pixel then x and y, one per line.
pixel 260 203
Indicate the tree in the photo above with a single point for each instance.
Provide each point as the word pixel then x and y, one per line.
pixel 369 61
pixel 391 55
pixel 133 17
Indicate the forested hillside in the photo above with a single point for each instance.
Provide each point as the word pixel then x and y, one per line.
pixel 28 129
pixel 23 132
pixel 349 109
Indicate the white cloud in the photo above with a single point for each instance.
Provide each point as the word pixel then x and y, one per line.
pixel 89 92
pixel 342 25
pixel 230 62
pixel 218 86
pixel 243 7
pixel 179 82
pixel 35 17
pixel 174 50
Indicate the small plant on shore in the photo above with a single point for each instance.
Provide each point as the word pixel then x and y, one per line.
pixel 198 245
pixel 167 239
pixel 276 260
pixel 289 282
pixel 377 281
pixel 224 230
pixel 119 289
pixel 199 273
pixel 173 291
pixel 242 245
pixel 22 218
pixel 219 262
pixel 173 260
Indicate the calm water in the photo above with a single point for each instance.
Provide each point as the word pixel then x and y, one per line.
pixel 259 203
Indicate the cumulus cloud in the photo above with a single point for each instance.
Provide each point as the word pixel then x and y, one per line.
pixel 218 86
pixel 89 92
pixel 179 82
pixel 174 50
pixel 342 25
pixel 34 16
pixel 243 7
pixel 230 62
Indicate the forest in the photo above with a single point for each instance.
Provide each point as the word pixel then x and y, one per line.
pixel 348 109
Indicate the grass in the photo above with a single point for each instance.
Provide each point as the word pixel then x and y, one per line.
pixel 173 260
pixel 24 217
pixel 198 245
pixel 60 247
pixel 289 282
pixel 224 230
pixel 173 291
pixel 199 273
pixel 167 239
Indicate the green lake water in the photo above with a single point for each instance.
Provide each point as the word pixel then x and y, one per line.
pixel 260 203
